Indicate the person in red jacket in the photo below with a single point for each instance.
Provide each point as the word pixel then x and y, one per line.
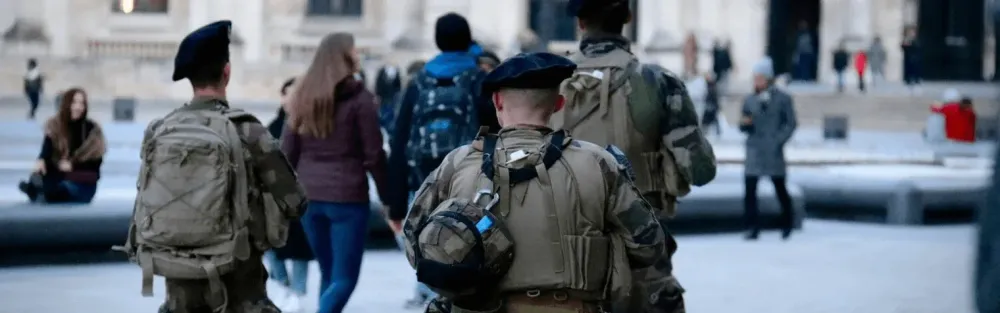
pixel 959 120
pixel 860 62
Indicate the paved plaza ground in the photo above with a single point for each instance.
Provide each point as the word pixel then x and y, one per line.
pixel 830 267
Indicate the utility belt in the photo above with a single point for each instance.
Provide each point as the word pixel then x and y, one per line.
pixel 537 301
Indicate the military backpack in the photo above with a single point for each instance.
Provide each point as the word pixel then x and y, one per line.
pixel 192 210
pixel 609 102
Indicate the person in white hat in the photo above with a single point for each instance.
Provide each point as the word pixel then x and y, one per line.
pixel 769 120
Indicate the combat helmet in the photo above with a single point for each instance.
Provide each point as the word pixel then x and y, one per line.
pixel 463 248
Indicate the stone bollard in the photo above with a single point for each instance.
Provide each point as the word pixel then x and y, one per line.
pixel 986 128
pixel 835 127
pixel 124 110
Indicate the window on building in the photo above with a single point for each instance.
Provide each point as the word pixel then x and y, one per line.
pixel 335 7
pixel 139 6
pixel 559 25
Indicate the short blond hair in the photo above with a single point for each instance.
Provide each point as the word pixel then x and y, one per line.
pixel 530 99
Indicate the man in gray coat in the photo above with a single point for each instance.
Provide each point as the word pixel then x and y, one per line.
pixel 769 120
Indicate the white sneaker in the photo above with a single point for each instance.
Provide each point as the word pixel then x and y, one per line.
pixel 292 303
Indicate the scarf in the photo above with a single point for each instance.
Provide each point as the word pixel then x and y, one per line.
pixel 92 147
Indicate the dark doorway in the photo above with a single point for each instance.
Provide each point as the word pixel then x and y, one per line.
pixel 784 18
pixel 950 33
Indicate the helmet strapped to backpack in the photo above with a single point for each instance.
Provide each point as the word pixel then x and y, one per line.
pixel 464 246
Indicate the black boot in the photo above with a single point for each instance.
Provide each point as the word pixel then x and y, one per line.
pixel 29 190
pixel 786 233
pixel 752 234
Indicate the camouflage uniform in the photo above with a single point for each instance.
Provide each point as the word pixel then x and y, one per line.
pixel 656 289
pixel 644 241
pixel 271 174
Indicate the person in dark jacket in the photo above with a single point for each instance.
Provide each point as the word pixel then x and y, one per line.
pixel 296 249
pixel 69 164
pixel 840 59
pixel 388 83
pixel 332 139
pixel 459 54
pixel 911 57
pixel 276 125
pixel 33 83
pixel 722 61
pixel 710 119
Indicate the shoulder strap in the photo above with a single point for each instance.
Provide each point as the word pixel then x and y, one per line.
pixel 552 155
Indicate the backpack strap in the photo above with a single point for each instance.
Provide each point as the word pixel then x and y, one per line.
pixel 553 152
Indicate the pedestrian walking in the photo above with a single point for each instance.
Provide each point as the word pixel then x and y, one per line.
pixel 876 60
pixel 768 119
pixel 666 112
pixel 205 223
pixel 841 58
pixel 502 265
pixel 334 142
pixel 33 84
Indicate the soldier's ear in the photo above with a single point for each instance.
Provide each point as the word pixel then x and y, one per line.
pixel 560 102
pixel 497 101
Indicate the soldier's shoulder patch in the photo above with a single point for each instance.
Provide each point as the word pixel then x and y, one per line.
pixel 623 163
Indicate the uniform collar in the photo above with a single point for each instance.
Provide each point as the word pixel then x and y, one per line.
pixel 523 128
pixel 597 44
pixel 204 102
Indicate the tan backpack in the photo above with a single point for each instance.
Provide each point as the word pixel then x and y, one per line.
pixel 192 209
pixel 608 102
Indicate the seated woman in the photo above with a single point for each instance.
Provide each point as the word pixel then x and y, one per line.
pixel 69 165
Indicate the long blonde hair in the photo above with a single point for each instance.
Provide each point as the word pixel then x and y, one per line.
pixel 312 104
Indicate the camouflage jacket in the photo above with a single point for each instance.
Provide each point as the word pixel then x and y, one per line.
pixel 270 171
pixel 627 212
pixel 681 131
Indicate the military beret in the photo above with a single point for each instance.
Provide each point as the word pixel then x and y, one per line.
pixel 206 45
pixel 577 8
pixel 538 70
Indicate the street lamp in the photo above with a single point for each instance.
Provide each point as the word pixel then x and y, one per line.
pixel 126 6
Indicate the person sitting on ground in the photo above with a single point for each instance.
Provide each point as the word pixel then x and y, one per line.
pixel 959 117
pixel 69 165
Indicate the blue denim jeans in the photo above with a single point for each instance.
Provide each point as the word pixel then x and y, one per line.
pixel 279 272
pixel 337 233
pixel 64 191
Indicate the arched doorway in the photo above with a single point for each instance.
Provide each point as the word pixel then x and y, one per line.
pixel 951 34
pixel 783 32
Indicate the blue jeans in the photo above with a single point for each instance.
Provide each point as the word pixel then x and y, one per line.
pixel 279 273
pixel 337 233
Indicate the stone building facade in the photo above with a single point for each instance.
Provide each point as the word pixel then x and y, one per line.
pixel 97 45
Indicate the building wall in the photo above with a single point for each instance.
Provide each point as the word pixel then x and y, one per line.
pixel 117 54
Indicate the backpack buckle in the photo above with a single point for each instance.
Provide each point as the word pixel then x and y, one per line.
pixel 494 198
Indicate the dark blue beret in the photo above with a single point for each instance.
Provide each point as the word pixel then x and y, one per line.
pixel 537 70
pixel 206 45
pixel 577 8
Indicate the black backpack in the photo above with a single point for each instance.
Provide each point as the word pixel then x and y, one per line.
pixel 445 117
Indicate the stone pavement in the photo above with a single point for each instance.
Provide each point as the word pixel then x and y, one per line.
pixel 829 267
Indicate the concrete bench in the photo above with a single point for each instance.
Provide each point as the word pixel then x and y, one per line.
pixel 103 222
pixel 719 206
pixel 893 198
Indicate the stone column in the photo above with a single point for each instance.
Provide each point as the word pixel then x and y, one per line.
pixel 197 14
pixel 251 28
pixel 57 23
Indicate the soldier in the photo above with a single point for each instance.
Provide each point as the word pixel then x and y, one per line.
pixel 564 223
pixel 205 216
pixel 645 111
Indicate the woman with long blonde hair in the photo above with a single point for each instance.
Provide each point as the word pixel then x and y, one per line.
pixel 332 138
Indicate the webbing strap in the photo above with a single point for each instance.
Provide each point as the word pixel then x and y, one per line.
pixel 552 218
pixel 552 155
pixel 146 263
pixel 217 291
